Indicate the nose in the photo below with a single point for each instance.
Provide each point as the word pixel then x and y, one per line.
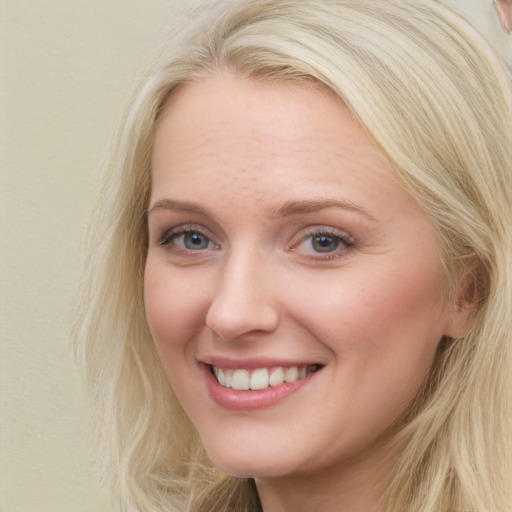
pixel 244 300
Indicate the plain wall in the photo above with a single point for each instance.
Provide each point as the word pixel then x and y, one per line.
pixel 67 68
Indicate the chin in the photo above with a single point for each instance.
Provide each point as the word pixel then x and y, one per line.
pixel 248 466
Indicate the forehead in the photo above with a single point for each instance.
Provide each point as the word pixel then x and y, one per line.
pixel 235 108
pixel 272 138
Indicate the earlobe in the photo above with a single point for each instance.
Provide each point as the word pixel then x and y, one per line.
pixel 464 305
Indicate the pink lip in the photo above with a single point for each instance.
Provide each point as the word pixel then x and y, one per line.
pixel 250 400
pixel 253 363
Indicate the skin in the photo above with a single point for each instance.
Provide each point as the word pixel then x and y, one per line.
pixel 234 152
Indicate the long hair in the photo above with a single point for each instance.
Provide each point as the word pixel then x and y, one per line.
pixel 431 94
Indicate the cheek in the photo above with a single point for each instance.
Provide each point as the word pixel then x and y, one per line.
pixel 375 304
pixel 174 306
pixel 174 310
pixel 382 327
pixel 159 302
pixel 383 332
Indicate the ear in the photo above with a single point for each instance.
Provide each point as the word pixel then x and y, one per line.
pixel 463 306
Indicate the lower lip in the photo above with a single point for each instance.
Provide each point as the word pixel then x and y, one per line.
pixel 251 400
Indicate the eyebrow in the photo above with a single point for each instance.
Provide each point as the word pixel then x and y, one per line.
pixel 178 206
pixel 289 208
pixel 315 205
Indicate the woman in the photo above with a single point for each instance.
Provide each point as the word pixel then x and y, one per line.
pixel 300 272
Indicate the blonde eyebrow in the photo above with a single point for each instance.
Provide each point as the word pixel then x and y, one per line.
pixel 289 208
pixel 315 205
pixel 176 206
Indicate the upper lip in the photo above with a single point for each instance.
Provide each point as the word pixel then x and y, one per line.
pixel 253 363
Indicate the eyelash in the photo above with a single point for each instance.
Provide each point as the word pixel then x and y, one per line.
pixel 343 241
pixel 169 237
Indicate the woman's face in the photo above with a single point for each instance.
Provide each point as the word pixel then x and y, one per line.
pixel 284 257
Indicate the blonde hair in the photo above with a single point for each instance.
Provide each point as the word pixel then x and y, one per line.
pixel 432 95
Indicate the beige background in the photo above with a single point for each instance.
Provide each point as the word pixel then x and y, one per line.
pixel 66 69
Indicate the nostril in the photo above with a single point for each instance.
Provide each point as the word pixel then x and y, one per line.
pixel 232 316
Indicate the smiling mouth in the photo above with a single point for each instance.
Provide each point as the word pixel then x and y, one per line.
pixel 261 378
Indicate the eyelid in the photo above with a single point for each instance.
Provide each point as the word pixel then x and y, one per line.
pixel 182 229
pixel 326 230
pixel 345 238
pixel 346 241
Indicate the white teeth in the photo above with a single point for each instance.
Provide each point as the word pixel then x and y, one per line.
pixel 240 381
pixel 260 378
pixel 276 376
pixel 291 374
pixel 228 373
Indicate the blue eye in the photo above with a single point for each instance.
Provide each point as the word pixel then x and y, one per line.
pixel 194 241
pixel 188 240
pixel 325 243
